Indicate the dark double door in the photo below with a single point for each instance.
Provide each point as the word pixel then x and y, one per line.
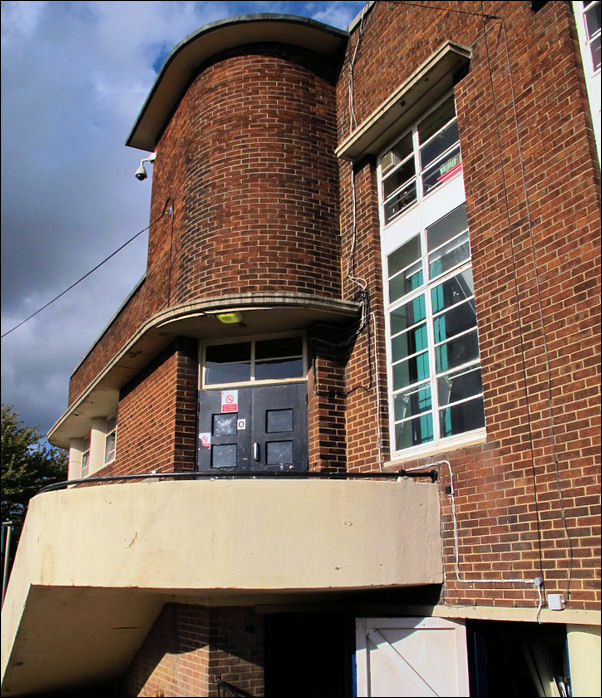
pixel 253 428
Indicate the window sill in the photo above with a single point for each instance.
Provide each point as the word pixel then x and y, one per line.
pixel 452 444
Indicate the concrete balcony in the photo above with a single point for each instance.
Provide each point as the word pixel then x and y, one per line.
pixel 96 564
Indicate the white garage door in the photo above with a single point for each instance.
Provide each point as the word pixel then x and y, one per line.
pixel 411 657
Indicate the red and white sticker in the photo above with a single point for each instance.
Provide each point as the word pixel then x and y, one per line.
pixel 229 401
pixel 205 438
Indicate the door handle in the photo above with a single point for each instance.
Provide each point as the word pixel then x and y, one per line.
pixel 256 451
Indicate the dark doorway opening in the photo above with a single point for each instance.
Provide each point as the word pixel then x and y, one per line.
pixel 517 659
pixel 309 654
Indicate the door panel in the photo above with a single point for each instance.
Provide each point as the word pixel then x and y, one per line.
pixel 411 657
pixel 268 430
pixel 224 439
pixel 279 427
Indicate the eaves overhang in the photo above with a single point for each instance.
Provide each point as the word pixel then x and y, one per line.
pixel 431 80
pixel 189 55
pixel 262 313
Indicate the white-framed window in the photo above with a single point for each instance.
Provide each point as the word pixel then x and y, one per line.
pixel 253 361
pixel 587 19
pixel 110 439
pixel 85 456
pixel 434 373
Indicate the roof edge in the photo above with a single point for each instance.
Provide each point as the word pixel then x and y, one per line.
pixel 211 39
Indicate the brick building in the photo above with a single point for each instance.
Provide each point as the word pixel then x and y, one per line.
pixel 343 438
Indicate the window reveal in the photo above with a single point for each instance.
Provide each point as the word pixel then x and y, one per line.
pixel 110 439
pixel 85 456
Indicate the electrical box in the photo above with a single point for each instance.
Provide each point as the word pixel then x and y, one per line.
pixel 555 602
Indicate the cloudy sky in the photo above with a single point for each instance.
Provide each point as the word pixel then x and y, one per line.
pixel 74 77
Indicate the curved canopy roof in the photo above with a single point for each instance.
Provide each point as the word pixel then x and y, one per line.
pixel 189 55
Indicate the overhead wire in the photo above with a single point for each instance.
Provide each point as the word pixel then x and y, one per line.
pixel 85 276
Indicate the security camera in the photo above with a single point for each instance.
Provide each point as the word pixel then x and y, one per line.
pixel 141 173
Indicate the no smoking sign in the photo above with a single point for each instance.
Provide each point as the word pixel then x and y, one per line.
pixel 229 401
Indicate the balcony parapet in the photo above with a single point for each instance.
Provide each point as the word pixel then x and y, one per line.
pixel 99 560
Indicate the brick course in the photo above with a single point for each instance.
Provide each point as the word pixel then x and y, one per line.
pixel 190 647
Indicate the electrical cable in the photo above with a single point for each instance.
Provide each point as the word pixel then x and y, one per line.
pixel 552 425
pixel 517 304
pixel 85 276
pixel 537 581
pixel 451 9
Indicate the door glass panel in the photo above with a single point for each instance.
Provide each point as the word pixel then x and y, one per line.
pixel 223 456
pixel 279 453
pixel 279 420
pixel 278 369
pixel 462 417
pixel 228 363
pixel 224 424
pixel 452 291
pixel 279 348
pixel 460 318
pixel 414 432
pixel 457 351
pixel 410 371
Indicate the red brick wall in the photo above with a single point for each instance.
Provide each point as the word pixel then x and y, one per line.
pixel 174 658
pixel 541 379
pixel 190 647
pixel 248 160
pixel 156 419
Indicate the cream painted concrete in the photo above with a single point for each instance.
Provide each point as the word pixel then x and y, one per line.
pixel 91 557
pixel 584 660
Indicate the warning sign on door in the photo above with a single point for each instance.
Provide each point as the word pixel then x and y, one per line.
pixel 229 401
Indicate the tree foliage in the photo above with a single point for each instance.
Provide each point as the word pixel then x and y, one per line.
pixel 27 466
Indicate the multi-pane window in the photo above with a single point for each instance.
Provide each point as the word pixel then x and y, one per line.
pixel 254 361
pixel 587 19
pixel 433 349
pixel 110 439
pixel 420 161
pixel 85 456
pixel 591 24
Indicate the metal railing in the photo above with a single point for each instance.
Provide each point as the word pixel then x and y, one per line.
pixel 226 689
pixel 243 475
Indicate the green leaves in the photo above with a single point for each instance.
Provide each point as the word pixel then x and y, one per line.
pixel 28 464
